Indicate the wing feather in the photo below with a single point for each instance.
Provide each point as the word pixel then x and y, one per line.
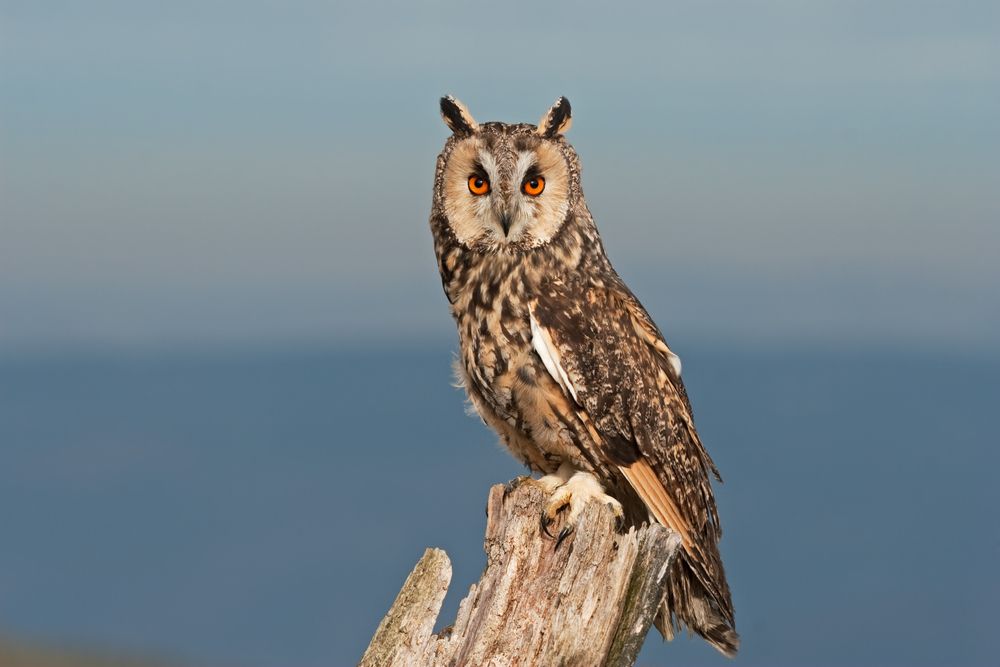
pixel 603 349
pixel 644 481
pixel 541 342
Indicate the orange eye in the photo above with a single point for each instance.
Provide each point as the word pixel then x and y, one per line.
pixel 533 186
pixel 478 185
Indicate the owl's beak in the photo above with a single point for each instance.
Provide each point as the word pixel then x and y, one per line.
pixel 505 222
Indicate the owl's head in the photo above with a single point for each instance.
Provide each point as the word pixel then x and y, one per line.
pixel 506 187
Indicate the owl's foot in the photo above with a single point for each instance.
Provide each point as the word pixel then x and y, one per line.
pixel 550 483
pixel 574 491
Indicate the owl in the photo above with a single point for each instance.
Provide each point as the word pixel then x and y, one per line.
pixel 562 361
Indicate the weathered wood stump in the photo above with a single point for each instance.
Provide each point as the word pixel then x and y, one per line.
pixel 588 602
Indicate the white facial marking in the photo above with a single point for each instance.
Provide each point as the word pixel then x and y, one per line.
pixel 522 211
pixel 525 159
pixel 490 165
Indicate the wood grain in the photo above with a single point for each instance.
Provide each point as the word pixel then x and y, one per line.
pixel 590 602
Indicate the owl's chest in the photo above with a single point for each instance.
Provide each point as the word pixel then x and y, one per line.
pixel 491 310
pixel 506 381
pixel 510 389
pixel 495 341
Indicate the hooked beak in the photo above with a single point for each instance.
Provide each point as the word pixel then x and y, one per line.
pixel 505 222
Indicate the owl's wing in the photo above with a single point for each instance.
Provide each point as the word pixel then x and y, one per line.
pixel 601 346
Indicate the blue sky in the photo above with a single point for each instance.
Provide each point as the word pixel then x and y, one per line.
pixel 217 172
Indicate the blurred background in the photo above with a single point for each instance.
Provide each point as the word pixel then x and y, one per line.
pixel 227 425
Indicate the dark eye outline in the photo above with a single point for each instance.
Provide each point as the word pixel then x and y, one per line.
pixel 533 177
pixel 484 182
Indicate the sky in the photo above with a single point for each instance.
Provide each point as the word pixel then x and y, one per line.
pixel 216 172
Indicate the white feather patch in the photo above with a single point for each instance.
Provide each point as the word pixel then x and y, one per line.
pixel 542 344
pixel 675 362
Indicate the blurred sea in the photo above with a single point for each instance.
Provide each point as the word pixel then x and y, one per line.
pixel 261 507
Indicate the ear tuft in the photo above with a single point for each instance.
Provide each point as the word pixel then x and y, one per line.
pixel 556 120
pixel 457 116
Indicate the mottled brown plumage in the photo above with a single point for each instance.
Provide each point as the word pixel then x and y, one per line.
pixel 561 359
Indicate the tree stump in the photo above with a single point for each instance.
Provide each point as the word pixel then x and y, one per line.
pixel 588 602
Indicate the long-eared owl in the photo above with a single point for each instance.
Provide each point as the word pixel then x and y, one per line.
pixel 561 359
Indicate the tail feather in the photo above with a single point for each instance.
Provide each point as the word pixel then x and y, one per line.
pixel 688 605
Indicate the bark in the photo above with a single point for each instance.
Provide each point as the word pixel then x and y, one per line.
pixel 588 602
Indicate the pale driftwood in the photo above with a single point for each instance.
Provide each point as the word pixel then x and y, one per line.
pixel 588 603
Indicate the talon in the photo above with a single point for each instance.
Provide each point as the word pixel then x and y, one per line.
pixel 563 534
pixel 572 496
pixel 545 522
